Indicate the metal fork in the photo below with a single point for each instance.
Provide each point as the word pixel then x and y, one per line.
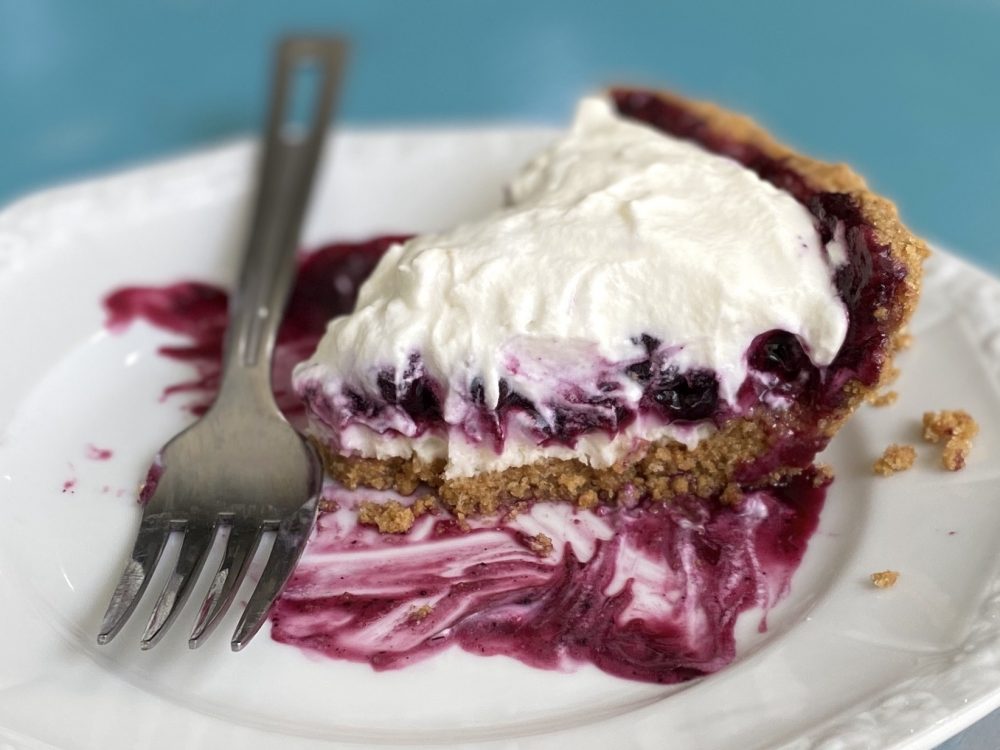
pixel 242 469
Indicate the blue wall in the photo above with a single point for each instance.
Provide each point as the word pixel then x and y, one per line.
pixel 906 90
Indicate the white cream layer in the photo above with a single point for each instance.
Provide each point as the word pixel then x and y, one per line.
pixel 614 231
pixel 466 458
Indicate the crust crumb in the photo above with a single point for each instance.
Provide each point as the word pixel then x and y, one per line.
pixel 391 518
pixel 956 428
pixel 540 544
pixel 423 505
pixel 419 613
pixel 328 506
pixel 894 459
pixel 903 339
pixel 885 579
pixel 572 482
pixel 515 510
pixel 732 495
pixel 588 499
pixel 881 314
pixel 680 485
pixel 823 475
pixel 887 398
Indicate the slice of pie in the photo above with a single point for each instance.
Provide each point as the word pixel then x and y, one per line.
pixel 670 303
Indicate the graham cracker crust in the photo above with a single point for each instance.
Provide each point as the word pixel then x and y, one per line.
pixel 664 469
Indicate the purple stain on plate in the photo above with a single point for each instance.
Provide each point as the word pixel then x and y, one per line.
pixel 326 286
pixel 649 594
pixel 97 454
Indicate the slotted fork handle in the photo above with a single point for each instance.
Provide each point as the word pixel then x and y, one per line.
pixel 286 171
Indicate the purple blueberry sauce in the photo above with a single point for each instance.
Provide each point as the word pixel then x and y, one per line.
pixel 360 595
pixel 650 593
pixel 326 286
pixel 97 454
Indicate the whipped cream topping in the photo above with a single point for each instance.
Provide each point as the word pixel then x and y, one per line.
pixel 617 230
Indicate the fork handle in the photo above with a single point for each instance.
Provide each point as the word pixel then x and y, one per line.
pixel 285 176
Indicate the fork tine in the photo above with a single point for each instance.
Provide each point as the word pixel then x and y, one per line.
pixel 197 541
pixel 289 541
pixel 149 543
pixel 240 547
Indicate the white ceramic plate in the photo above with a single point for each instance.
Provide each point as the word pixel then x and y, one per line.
pixel 842 665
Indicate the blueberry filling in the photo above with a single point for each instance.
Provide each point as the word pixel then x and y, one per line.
pixel 510 399
pixel 781 354
pixel 783 368
pixel 414 393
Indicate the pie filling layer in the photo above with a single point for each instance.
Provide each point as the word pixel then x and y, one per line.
pixel 637 288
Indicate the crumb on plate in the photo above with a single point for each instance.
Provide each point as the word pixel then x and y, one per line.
pixel 903 339
pixel 894 459
pixel 885 398
pixel 328 506
pixel 540 544
pixel 419 613
pixel 393 517
pixel 885 579
pixel 956 428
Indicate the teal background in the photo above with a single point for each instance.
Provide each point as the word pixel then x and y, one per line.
pixel 908 91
